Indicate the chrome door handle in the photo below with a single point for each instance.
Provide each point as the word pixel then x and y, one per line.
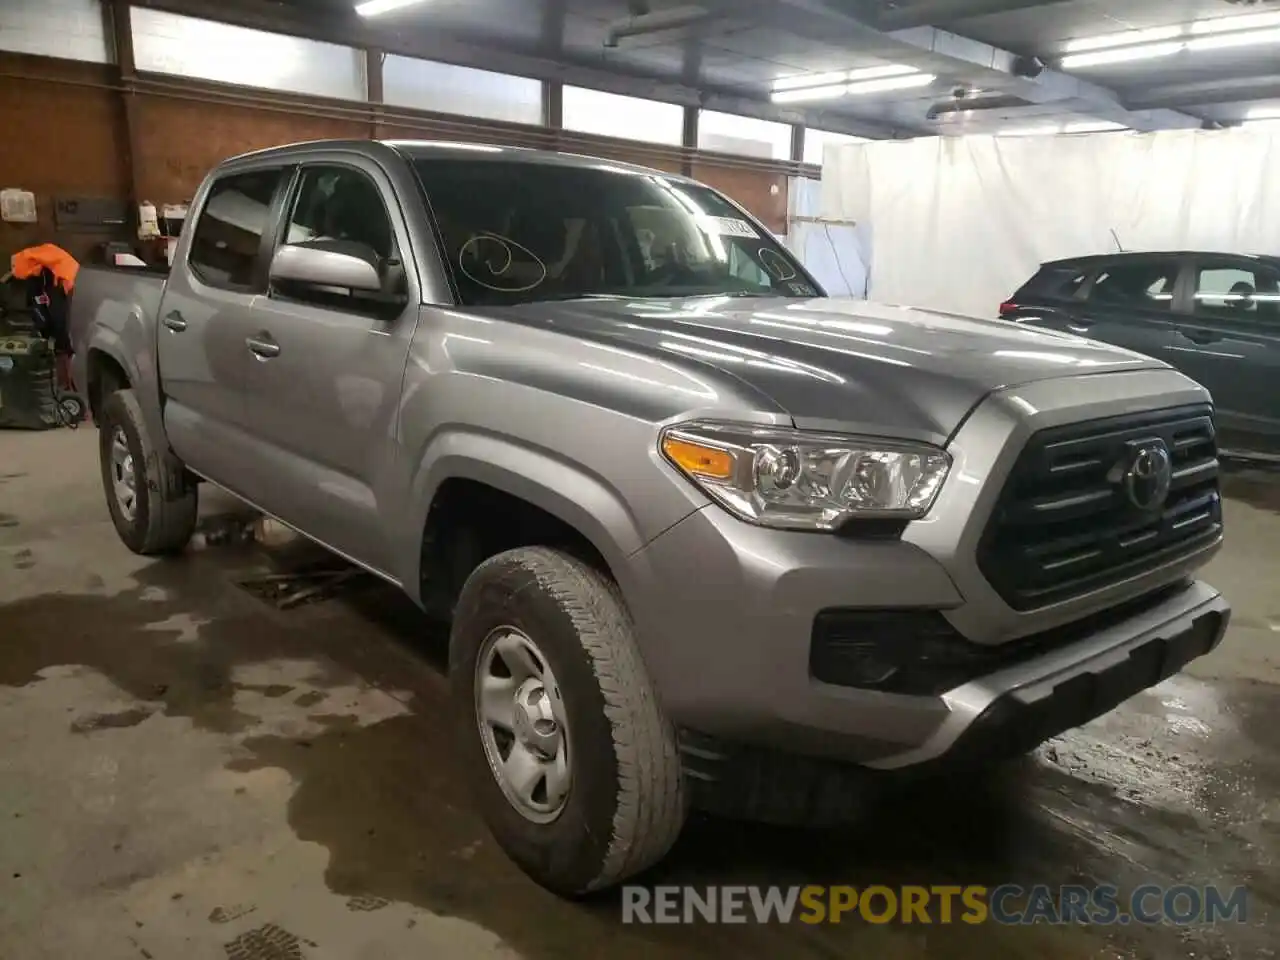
pixel 174 321
pixel 265 349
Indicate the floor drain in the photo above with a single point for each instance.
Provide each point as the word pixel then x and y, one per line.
pixel 297 588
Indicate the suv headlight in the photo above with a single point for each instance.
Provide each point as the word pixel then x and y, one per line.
pixel 803 481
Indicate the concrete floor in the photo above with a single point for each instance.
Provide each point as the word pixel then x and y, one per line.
pixel 187 772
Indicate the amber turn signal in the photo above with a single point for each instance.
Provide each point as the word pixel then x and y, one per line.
pixel 697 459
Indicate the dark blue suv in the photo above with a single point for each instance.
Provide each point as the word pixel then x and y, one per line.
pixel 1216 317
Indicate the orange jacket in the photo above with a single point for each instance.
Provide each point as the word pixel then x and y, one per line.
pixel 29 262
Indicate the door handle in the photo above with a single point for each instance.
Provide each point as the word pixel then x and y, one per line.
pixel 262 347
pixel 174 321
pixel 1079 327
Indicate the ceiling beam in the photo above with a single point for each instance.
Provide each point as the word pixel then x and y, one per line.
pixel 932 12
pixel 427 44
pixel 954 58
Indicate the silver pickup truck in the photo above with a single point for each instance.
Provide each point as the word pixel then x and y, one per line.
pixel 705 536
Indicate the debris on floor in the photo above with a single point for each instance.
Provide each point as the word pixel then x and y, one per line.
pixel 299 587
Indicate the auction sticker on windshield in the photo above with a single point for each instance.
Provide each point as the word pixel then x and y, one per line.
pixel 730 227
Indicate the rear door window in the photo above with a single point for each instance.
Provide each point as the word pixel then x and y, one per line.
pixel 228 236
pixel 1147 285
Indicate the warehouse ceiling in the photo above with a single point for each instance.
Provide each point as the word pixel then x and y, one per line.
pixel 995 64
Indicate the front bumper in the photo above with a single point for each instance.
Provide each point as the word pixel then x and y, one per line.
pixel 732 630
pixel 725 612
pixel 1013 711
pixel 991 722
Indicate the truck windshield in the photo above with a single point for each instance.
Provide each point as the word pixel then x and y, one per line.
pixel 517 232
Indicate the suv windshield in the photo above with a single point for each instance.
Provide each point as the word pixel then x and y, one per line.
pixel 517 232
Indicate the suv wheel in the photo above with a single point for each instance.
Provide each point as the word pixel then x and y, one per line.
pixel 150 518
pixel 576 770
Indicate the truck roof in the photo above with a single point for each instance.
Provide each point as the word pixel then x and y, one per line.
pixel 436 149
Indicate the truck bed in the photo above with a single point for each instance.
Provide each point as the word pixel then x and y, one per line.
pixel 118 306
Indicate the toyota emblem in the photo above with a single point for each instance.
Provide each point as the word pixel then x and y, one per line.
pixel 1149 475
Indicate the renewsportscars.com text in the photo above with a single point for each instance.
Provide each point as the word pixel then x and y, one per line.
pixel 1007 904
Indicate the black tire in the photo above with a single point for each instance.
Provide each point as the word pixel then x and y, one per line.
pixel 626 805
pixel 164 515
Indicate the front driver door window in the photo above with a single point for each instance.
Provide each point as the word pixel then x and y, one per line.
pixel 1231 344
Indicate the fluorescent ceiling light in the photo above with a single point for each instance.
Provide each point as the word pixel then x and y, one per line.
pixel 832 90
pixel 814 80
pixel 872 73
pixel 891 83
pixel 828 92
pixel 1122 39
pixel 1264 113
pixel 844 76
pixel 1223 41
pixel 1252 21
pixel 1049 129
pixel 1122 55
pixel 371 8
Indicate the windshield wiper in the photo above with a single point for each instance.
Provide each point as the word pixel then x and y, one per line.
pixel 561 297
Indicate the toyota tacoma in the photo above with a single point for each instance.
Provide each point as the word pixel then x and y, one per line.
pixel 705 537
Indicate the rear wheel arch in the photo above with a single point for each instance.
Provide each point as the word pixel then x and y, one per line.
pixel 106 375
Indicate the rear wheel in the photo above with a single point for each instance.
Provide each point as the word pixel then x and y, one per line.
pixel 577 772
pixel 153 509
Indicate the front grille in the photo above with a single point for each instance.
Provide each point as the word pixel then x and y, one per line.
pixel 1064 524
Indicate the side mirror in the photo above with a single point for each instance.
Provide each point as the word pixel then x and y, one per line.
pixel 328 263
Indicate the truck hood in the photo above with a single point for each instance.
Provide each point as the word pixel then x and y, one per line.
pixel 842 364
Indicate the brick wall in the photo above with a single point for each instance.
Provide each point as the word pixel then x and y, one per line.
pixel 66 136
pixel 60 139
pixel 180 140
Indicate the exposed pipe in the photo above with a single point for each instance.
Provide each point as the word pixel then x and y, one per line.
pixel 965 104
pixel 640 24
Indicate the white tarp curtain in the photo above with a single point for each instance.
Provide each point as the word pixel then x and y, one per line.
pixel 960 222
pixel 837 254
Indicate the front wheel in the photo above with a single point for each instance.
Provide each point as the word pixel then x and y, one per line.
pixel 149 515
pixel 576 770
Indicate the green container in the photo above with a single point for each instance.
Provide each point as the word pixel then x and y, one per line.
pixel 27 399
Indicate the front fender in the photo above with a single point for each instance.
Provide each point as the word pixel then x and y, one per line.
pixel 567 491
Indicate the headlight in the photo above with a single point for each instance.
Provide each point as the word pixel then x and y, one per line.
pixel 803 481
